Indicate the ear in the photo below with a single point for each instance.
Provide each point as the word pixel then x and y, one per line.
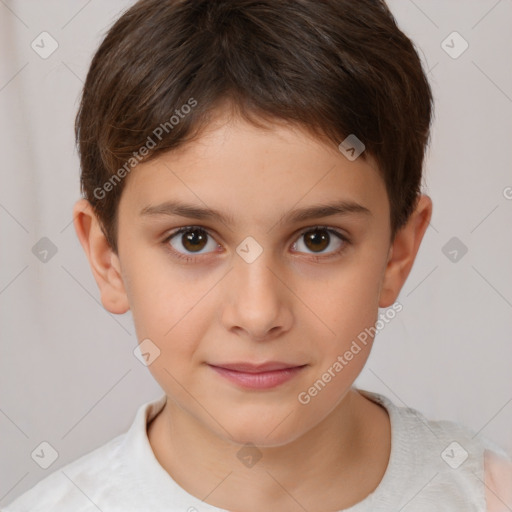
pixel 403 250
pixel 105 264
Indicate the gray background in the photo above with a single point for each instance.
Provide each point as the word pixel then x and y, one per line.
pixel 68 374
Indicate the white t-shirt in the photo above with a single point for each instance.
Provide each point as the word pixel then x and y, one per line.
pixel 434 465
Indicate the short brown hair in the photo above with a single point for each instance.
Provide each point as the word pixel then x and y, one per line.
pixel 336 67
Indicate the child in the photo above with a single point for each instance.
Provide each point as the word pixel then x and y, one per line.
pixel 255 130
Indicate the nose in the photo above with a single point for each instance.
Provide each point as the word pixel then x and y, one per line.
pixel 258 301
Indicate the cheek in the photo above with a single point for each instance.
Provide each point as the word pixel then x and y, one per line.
pixel 344 301
pixel 347 305
pixel 174 321
pixel 157 293
pixel 171 307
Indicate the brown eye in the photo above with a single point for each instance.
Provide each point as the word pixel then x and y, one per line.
pixel 318 239
pixel 194 240
pixel 190 240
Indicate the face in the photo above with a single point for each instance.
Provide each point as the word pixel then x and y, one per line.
pixel 260 284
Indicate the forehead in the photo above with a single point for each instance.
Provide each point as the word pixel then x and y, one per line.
pixel 244 170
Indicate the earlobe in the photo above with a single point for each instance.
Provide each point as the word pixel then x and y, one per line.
pixel 105 264
pixel 403 251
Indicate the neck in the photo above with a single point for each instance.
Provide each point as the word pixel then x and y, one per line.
pixel 325 465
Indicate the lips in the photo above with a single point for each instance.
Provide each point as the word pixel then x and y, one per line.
pixel 256 368
pixel 260 376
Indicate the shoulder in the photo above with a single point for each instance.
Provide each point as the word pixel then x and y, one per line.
pixel 469 469
pixel 73 486
pixel 476 460
pixel 498 482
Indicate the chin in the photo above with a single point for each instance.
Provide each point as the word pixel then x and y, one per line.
pixel 263 433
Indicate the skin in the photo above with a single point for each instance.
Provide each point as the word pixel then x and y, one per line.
pixel 283 306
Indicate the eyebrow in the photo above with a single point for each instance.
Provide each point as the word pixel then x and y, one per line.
pixel 177 208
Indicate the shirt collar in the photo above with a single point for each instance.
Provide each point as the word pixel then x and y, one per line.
pixel 153 483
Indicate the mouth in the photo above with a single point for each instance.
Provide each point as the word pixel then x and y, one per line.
pixel 263 376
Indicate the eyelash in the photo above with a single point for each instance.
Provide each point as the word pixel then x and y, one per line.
pixel 189 259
